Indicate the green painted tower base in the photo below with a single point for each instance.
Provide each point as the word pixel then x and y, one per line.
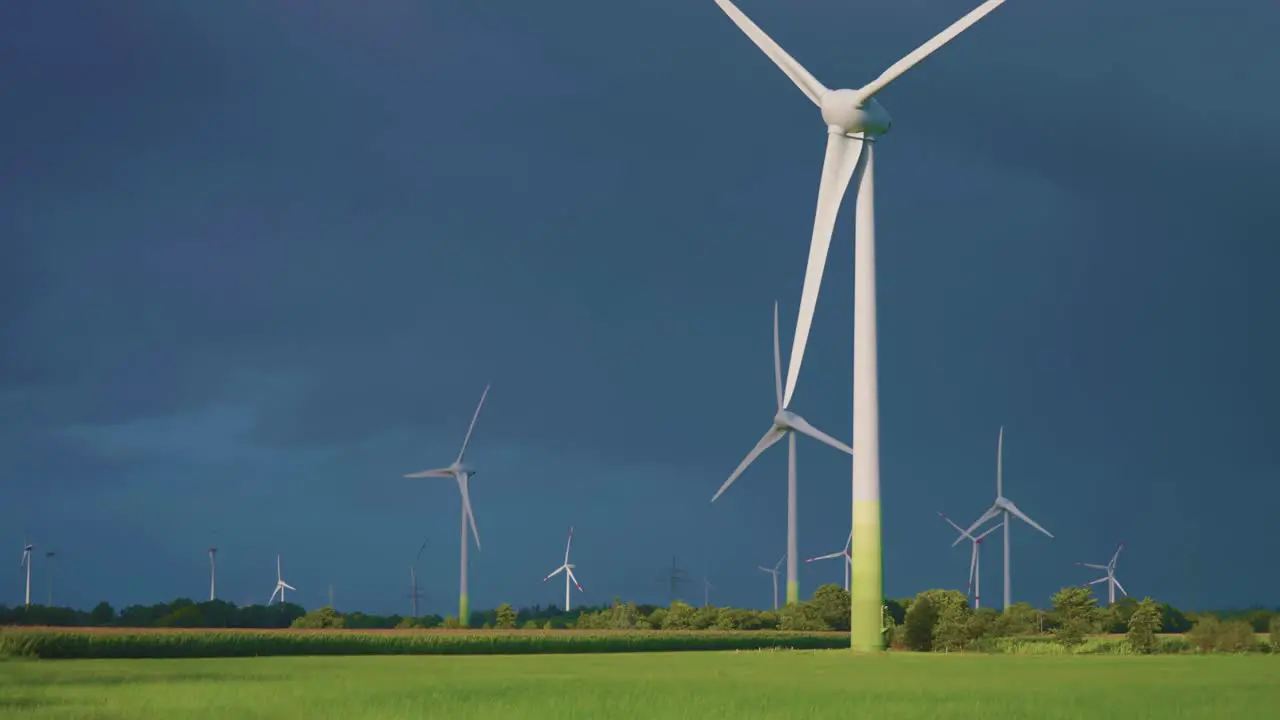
pixel 866 632
pixel 793 593
pixel 464 611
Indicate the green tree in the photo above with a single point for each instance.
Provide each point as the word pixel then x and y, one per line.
pixel 1274 629
pixel 102 614
pixel 680 616
pixel 1172 619
pixel 506 616
pixel 952 619
pixel 1077 611
pixel 917 631
pixel 450 623
pixel 1143 623
pixel 801 616
pixel 320 618
pixel 1017 620
pixel 186 616
pixel 831 602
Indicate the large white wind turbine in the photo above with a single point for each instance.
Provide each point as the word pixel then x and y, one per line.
pixel 26 563
pixel 1109 578
pixel 785 423
pixel 567 569
pixel 1005 506
pixel 462 474
pixel 773 571
pixel 846 553
pixel 975 562
pixel 281 585
pixel 854 120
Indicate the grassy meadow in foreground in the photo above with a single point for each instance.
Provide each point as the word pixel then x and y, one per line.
pixel 664 686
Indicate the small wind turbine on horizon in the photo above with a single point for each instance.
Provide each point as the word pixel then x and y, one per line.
pixel 785 423
pixel 1005 506
pixel 462 473
pixel 213 573
pixel 846 553
pixel 26 563
pixel 854 120
pixel 975 575
pixel 773 571
pixel 281 585
pixel 1109 578
pixel 567 569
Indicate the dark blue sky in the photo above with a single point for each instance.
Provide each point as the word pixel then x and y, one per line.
pixel 260 259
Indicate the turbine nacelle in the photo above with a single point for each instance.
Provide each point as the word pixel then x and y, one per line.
pixel 847 112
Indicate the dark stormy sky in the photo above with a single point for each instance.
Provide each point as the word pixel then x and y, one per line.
pixel 261 258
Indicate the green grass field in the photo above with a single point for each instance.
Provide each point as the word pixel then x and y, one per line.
pixel 661 686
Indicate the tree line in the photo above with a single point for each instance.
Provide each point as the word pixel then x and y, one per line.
pixel 932 620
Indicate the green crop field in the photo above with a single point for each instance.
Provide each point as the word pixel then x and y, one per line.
pixel 661 686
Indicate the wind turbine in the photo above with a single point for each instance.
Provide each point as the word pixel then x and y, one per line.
pixel 213 573
pixel 706 591
pixel 846 553
pixel 975 572
pixel 413 579
pixel 1109 578
pixel 48 557
pixel 774 572
pixel 281 585
pixel 567 569
pixel 1005 506
pixel 854 120
pixel 785 423
pixel 674 578
pixel 26 563
pixel 462 474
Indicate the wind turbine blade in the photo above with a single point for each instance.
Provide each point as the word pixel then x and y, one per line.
pixel 802 426
pixel 440 473
pixel 1116 556
pixel 990 530
pixel 777 358
pixel 843 160
pixel 278 576
pixel 472 426
pixel 765 569
pixel 807 83
pixel 556 572
pixel 466 505
pixel 937 41
pixel 273 595
pixel 991 512
pixel 1013 510
pixel 566 546
pixel 574 578
pixel 1117 582
pixel 1091 565
pixel 780 561
pixel 771 437
pixel 1000 463
pixel 826 557
pixel 973 566
pixel 287 585
pixel 1095 582
pixel 952 524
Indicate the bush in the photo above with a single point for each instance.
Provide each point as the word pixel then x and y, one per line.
pixel 1210 634
pixel 506 616
pixel 1275 633
pixel 917 632
pixel 801 616
pixel 319 619
pixel 1077 611
pixel 129 643
pixel 1143 623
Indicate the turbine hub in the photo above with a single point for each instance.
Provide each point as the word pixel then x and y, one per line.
pixel 783 420
pixel 846 111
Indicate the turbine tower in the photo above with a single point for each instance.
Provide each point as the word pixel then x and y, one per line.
pixel 706 591
pixel 854 120
pixel 213 573
pixel 413 579
pixel 1002 506
pixel 567 569
pixel 462 473
pixel 773 571
pixel 26 563
pixel 281 585
pixel 785 423
pixel 846 553
pixel 975 570
pixel 1109 578
pixel 674 577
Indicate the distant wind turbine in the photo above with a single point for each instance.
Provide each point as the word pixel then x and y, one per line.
pixel 1109 578
pixel 567 569
pixel 785 423
pixel 975 573
pixel 281 585
pixel 1005 506
pixel 846 553
pixel 462 474
pixel 213 573
pixel 413 579
pixel 26 563
pixel 773 571
pixel 706 591
pixel 674 578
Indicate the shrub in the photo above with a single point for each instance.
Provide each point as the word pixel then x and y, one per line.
pixel 506 616
pixel 1077 611
pixel 1210 634
pixel 801 616
pixel 321 618
pixel 1275 633
pixel 1143 623
pixel 917 633
pixel 450 622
